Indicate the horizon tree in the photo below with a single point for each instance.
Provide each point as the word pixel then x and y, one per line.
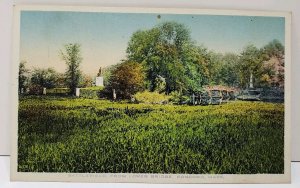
pixel 72 57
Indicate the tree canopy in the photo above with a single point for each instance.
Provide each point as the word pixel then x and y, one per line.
pixel 127 78
pixel 167 51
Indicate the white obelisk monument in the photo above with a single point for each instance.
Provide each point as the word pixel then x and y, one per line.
pixel 99 78
pixel 99 81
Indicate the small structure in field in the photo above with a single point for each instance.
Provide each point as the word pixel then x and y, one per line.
pixel 214 95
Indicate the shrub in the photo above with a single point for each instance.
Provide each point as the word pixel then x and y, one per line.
pixel 58 91
pixel 127 78
pixel 178 98
pixel 35 89
pixel 91 92
pixel 151 97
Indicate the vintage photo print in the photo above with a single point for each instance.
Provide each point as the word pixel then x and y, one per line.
pixel 150 95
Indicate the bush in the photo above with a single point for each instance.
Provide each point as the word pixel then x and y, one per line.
pixel 127 78
pixel 35 89
pixel 58 91
pixel 151 97
pixel 178 98
pixel 91 92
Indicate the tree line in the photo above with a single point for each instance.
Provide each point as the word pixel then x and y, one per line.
pixel 34 80
pixel 165 59
pixel 168 60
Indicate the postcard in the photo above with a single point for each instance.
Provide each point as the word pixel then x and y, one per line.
pixel 152 95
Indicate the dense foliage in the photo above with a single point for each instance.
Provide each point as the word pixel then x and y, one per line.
pixel 167 51
pixel 91 92
pixel 86 135
pixel 44 77
pixel 151 98
pixel 127 78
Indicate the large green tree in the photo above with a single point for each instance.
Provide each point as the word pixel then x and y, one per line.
pixel 167 51
pixel 72 56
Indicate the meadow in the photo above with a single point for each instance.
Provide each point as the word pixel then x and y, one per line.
pixel 63 134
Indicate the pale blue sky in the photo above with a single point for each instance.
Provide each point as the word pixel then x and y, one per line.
pixel 104 36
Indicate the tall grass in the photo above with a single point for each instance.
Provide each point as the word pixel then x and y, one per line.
pixel 86 135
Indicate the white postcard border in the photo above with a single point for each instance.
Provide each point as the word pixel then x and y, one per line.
pixel 149 178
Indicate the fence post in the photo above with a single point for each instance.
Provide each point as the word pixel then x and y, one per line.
pixel 44 91
pixel 77 92
pixel 193 98
pixel 114 94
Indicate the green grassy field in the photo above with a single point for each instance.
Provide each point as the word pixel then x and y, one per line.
pixel 86 135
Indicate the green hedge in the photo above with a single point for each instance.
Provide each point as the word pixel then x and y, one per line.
pixel 91 92
pixel 58 91
pixel 148 97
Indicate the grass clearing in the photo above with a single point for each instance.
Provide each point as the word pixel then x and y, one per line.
pixel 59 134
